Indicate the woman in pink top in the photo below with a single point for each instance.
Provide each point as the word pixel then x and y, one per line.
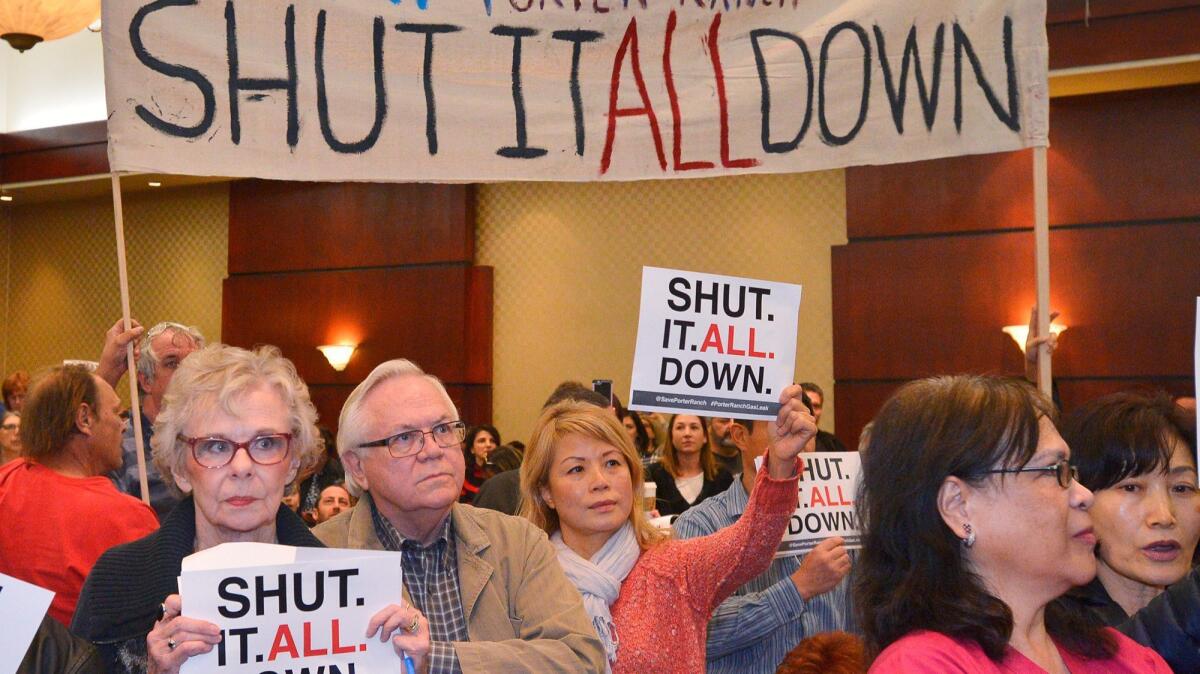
pixel 973 523
pixel 650 597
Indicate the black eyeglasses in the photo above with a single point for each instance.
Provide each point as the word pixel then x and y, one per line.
pixel 217 452
pixel 407 443
pixel 1062 470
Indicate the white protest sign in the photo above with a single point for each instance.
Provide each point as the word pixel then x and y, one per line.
pixel 22 607
pixel 825 504
pixel 578 90
pixel 290 609
pixel 713 345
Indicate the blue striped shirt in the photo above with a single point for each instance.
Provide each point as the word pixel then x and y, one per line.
pixel 754 630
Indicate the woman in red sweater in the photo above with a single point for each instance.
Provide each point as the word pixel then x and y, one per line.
pixel 650 597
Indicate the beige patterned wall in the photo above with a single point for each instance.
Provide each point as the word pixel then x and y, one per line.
pixel 568 261
pixel 63 291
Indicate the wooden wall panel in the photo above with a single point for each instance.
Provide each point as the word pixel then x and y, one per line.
pixel 1075 392
pixel 1068 11
pixel 386 267
pixel 387 312
pixel 857 404
pixel 1130 37
pixel 1129 297
pixel 1128 156
pixel 971 193
pixel 1123 248
pixel 912 307
pixel 56 152
pixel 358 225
pixel 1153 180
pixel 915 307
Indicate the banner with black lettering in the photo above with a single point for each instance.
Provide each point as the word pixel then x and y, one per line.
pixel 825 503
pixel 576 90
pixel 290 609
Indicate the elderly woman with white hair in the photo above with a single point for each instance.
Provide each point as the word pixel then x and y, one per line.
pixel 222 400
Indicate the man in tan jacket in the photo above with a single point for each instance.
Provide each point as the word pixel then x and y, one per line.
pixel 486 591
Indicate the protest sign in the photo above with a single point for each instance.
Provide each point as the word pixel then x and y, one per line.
pixel 713 345
pixel 433 90
pixel 292 610
pixel 22 607
pixel 825 505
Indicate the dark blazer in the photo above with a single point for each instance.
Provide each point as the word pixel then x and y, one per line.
pixel 670 501
pixel 1094 598
pixel 119 603
pixel 1170 624
pixel 54 649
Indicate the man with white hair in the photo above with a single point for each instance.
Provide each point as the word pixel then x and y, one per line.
pixel 161 350
pixel 488 586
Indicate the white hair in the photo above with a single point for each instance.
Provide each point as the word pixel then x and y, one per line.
pixel 147 362
pixel 351 422
pixel 216 377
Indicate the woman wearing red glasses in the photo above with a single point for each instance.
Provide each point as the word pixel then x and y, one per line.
pixel 235 428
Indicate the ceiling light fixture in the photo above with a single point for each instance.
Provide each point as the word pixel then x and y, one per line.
pixel 24 23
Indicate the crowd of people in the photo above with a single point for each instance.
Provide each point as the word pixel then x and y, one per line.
pixel 996 536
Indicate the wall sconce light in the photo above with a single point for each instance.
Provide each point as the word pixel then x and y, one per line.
pixel 338 355
pixel 1020 333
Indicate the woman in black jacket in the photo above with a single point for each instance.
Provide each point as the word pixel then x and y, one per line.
pixel 687 473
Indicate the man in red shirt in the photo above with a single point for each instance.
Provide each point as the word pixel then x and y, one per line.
pixel 59 510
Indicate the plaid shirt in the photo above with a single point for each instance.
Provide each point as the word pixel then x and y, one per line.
pixel 431 576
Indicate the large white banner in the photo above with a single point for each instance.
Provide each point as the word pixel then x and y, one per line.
pixel 483 90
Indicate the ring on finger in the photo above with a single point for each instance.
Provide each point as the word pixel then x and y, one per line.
pixel 171 644
pixel 416 625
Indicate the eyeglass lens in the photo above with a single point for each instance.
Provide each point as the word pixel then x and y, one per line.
pixel 264 449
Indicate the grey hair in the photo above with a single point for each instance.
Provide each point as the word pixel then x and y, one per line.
pixel 351 422
pixel 218 375
pixel 147 362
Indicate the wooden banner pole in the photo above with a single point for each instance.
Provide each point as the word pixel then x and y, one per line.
pixel 1041 236
pixel 135 404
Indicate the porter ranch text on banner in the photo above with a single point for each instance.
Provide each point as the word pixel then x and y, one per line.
pixel 713 345
pixel 578 90
pixel 825 505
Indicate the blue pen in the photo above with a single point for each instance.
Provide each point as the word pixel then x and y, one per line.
pixel 409 667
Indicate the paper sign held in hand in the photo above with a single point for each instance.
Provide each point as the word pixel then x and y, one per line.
pixel 713 345
pixel 303 608
pixel 825 503
pixel 22 607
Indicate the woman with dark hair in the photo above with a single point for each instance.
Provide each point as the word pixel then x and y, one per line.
pixel 973 524
pixel 480 442
pixel 1136 452
pixel 686 473
pixel 637 432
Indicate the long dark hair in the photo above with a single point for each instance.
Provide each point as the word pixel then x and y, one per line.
pixel 469 441
pixel 642 439
pixel 911 572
